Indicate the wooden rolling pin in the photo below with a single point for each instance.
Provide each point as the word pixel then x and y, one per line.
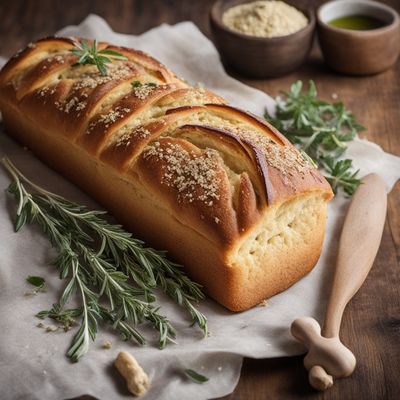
pixel 327 357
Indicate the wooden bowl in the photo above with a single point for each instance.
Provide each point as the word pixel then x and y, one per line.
pixel 258 57
pixel 359 52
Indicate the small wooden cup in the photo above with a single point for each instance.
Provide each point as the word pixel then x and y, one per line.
pixel 358 52
pixel 258 57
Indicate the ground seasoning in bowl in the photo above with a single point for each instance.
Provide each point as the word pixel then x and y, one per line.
pixel 264 19
pixel 262 39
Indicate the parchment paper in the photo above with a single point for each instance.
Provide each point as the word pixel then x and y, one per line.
pixel 33 363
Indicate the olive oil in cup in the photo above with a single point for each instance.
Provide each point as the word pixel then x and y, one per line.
pixel 358 37
pixel 357 22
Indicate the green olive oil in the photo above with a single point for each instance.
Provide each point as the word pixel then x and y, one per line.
pixel 357 22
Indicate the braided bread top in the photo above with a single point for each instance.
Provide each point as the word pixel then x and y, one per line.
pixel 206 160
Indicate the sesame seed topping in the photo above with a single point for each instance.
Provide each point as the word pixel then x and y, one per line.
pixel 115 72
pixel 43 91
pixel 124 140
pixel 112 116
pixel 57 57
pixel 193 176
pixel 283 158
pixel 143 91
pixel 73 103
pixel 108 119
pixel 80 106
pixel 142 132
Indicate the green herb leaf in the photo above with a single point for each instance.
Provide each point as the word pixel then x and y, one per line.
pixel 113 274
pixel 340 174
pixel 195 376
pixel 114 54
pixel 37 281
pixel 92 55
pixel 21 220
pixel 321 131
pixel 136 84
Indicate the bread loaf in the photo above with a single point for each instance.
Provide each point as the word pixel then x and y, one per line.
pixel 223 191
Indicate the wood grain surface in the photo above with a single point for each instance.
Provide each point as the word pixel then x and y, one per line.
pixel 371 325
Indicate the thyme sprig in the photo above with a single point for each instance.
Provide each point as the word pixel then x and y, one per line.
pixel 113 274
pixel 90 54
pixel 321 130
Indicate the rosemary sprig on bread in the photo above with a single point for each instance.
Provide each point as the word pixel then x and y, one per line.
pixel 90 54
pixel 321 130
pixel 114 274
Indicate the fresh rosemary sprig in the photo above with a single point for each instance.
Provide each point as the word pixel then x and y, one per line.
pixel 114 274
pixel 321 130
pixel 90 54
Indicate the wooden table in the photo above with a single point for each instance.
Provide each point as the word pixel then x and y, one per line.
pixel 371 325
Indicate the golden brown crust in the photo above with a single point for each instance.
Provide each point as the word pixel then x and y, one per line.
pixel 202 196
pixel 102 126
pixel 38 50
pixel 156 151
pixel 153 67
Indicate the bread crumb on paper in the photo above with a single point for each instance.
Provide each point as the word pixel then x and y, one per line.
pixel 264 303
pixel 51 328
pixel 106 345
pixel 137 380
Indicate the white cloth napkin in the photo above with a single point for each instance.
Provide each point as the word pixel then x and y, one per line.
pixel 33 363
